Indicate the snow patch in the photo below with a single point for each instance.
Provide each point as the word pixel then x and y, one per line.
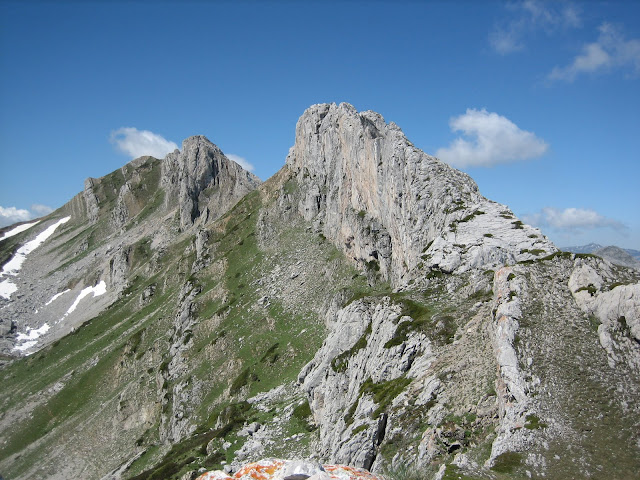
pixel 7 288
pixel 13 266
pixel 18 229
pixel 30 339
pixel 56 296
pixel 99 289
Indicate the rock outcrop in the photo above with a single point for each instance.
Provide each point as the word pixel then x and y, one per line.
pixel 394 208
pixel 202 181
pixel 276 469
pixel 357 352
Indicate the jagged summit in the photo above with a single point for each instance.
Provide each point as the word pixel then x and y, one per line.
pixel 203 180
pixel 367 187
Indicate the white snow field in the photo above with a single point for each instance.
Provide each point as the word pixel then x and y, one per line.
pixel 13 266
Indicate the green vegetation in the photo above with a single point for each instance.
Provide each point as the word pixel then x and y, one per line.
pixel 589 288
pixel 383 393
pixel 373 265
pixel 594 322
pixel 290 186
pixel 482 295
pixel 558 254
pixel 534 251
pixel 533 423
pixel 453 472
pixel 459 205
pixel 302 416
pixel 438 326
pixel 623 326
pixel 404 472
pixel 191 453
pixel 507 462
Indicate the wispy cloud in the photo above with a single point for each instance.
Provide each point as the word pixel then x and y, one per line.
pixel 41 210
pixel 527 17
pixel 494 140
pixel 11 215
pixel 136 143
pixel 240 161
pixel 572 219
pixel 611 50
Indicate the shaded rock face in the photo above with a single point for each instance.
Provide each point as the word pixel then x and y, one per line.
pixel 202 181
pixel 617 310
pixel 91 200
pixel 392 207
pixel 334 377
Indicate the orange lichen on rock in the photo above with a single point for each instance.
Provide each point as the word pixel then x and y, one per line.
pixel 262 470
pixel 275 469
pixel 351 473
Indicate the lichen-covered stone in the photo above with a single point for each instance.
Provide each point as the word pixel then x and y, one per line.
pixel 276 469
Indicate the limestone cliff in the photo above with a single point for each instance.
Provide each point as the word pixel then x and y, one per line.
pixel 388 204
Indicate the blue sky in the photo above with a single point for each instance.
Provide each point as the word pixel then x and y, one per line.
pixel 538 101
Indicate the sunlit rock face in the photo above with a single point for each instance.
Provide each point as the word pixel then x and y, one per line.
pixel 387 203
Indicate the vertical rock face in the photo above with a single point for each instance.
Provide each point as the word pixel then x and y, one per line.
pixel 202 181
pixel 391 206
pixel 91 200
pixel 357 352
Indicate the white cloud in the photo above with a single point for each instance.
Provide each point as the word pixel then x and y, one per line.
pixel 136 143
pixel 610 51
pixel 528 17
pixel 506 41
pixel 41 210
pixel 11 215
pixel 240 161
pixel 496 140
pixel 572 219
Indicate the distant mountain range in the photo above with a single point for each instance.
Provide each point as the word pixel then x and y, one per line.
pixel 620 256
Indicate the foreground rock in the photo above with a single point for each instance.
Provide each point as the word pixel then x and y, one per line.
pixel 275 469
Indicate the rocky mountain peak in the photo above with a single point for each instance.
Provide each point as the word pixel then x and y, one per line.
pixel 203 181
pixel 391 206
